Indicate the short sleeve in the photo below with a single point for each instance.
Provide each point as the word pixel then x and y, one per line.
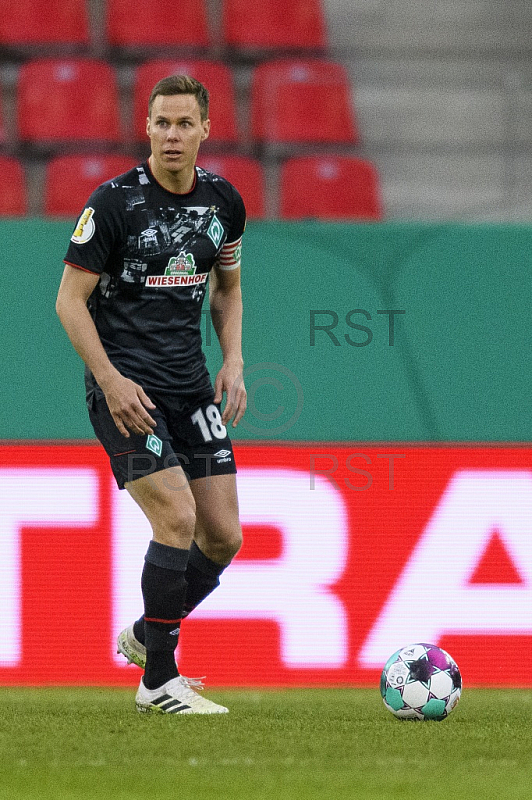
pixel 229 257
pixel 238 223
pixel 97 231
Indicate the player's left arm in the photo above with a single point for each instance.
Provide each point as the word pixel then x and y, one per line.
pixel 225 297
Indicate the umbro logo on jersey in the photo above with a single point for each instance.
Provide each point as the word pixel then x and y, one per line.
pixel 148 238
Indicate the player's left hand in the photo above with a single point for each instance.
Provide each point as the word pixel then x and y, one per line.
pixel 231 381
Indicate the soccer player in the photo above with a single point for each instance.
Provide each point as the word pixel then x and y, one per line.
pixel 130 301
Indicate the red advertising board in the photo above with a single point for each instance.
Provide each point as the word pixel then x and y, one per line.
pixel 351 551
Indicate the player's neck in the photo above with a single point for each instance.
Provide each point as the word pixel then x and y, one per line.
pixel 178 183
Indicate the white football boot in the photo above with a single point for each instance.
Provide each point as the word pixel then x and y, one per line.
pixel 131 648
pixel 175 697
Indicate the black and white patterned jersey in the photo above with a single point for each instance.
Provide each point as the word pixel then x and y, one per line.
pixel 154 250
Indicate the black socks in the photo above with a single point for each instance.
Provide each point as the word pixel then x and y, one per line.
pixel 202 576
pixel 163 589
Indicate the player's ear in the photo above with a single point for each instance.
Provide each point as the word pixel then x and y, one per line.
pixel 206 130
pixel 148 126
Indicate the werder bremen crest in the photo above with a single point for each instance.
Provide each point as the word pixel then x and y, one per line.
pixel 182 264
pixel 216 231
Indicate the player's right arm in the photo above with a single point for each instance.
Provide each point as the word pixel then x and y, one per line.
pixel 127 401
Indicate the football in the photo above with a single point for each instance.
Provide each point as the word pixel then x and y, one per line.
pixel 421 682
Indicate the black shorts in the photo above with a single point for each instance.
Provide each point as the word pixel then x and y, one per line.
pixel 189 434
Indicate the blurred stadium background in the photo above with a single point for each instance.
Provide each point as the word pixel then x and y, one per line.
pixel 383 150
pixel 439 94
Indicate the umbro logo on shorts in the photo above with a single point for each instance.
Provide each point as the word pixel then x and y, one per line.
pixel 222 456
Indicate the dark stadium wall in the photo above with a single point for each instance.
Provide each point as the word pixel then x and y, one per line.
pixel 378 332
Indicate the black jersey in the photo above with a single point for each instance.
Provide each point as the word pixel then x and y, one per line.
pixel 154 250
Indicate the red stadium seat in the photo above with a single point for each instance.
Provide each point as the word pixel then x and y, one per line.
pixel 67 100
pixel 304 101
pixel 218 79
pixel 71 179
pixel 157 23
pixel 32 22
pixel 274 25
pixel 245 174
pixel 329 187
pixel 12 188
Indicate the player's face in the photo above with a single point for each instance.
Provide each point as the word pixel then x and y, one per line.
pixel 176 131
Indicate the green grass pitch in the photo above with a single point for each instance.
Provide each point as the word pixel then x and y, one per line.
pixel 302 744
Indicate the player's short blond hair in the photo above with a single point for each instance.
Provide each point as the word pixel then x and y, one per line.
pixel 182 84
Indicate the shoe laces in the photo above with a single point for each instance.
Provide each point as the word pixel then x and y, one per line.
pixel 195 684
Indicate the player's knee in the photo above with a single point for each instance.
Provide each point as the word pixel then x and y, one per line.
pixel 224 544
pixel 235 542
pixel 174 523
pixel 184 518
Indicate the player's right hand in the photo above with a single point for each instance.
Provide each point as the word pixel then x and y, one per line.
pixel 128 404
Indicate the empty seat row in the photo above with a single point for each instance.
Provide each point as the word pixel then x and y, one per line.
pixel 270 24
pixel 319 187
pixel 292 100
pixel 311 187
